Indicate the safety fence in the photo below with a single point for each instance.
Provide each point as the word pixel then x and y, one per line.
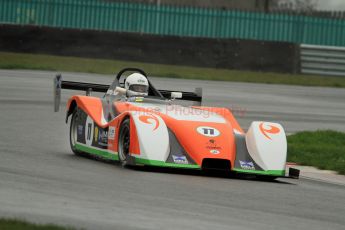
pixel 323 60
pixel 171 20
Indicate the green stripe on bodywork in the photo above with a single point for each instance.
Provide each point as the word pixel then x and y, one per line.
pixel 105 154
pixel 268 172
pixel 98 152
pixel 164 164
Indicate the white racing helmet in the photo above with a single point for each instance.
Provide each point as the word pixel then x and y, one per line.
pixel 136 85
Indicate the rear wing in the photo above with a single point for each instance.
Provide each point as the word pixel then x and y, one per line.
pixel 73 85
pixel 91 87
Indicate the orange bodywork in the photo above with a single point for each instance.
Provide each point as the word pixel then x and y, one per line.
pixel 90 105
pixel 197 146
pixel 224 113
pixel 134 146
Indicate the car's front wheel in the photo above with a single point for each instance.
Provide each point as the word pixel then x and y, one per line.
pixel 124 142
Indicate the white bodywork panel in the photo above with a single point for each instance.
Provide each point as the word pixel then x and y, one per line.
pixel 266 144
pixel 153 136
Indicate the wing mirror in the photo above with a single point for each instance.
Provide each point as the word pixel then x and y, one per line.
pixel 176 95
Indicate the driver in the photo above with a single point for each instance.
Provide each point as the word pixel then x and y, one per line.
pixel 136 84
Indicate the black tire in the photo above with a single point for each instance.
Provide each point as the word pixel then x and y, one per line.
pixel 124 142
pixel 73 132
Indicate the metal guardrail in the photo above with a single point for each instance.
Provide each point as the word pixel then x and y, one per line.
pixel 323 60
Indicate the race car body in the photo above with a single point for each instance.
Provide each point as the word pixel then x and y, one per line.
pixel 159 130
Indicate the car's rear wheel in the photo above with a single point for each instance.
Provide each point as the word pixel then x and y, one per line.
pixel 73 132
pixel 124 142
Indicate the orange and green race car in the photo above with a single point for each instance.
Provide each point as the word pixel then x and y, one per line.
pixel 159 129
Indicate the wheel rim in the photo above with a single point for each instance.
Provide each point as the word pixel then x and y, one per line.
pixel 124 144
pixel 74 134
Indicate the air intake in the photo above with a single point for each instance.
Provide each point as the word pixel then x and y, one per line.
pixel 216 164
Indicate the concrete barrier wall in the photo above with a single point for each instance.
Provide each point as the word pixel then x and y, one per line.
pixel 218 53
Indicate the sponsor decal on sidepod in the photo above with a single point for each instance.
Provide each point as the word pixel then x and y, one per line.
pixel 247 165
pixel 111 133
pixel 96 133
pixel 103 138
pixel 180 159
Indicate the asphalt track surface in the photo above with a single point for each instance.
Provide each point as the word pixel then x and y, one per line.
pixel 42 181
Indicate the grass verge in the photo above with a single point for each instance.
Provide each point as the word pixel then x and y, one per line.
pixel 103 66
pixel 13 224
pixel 322 149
